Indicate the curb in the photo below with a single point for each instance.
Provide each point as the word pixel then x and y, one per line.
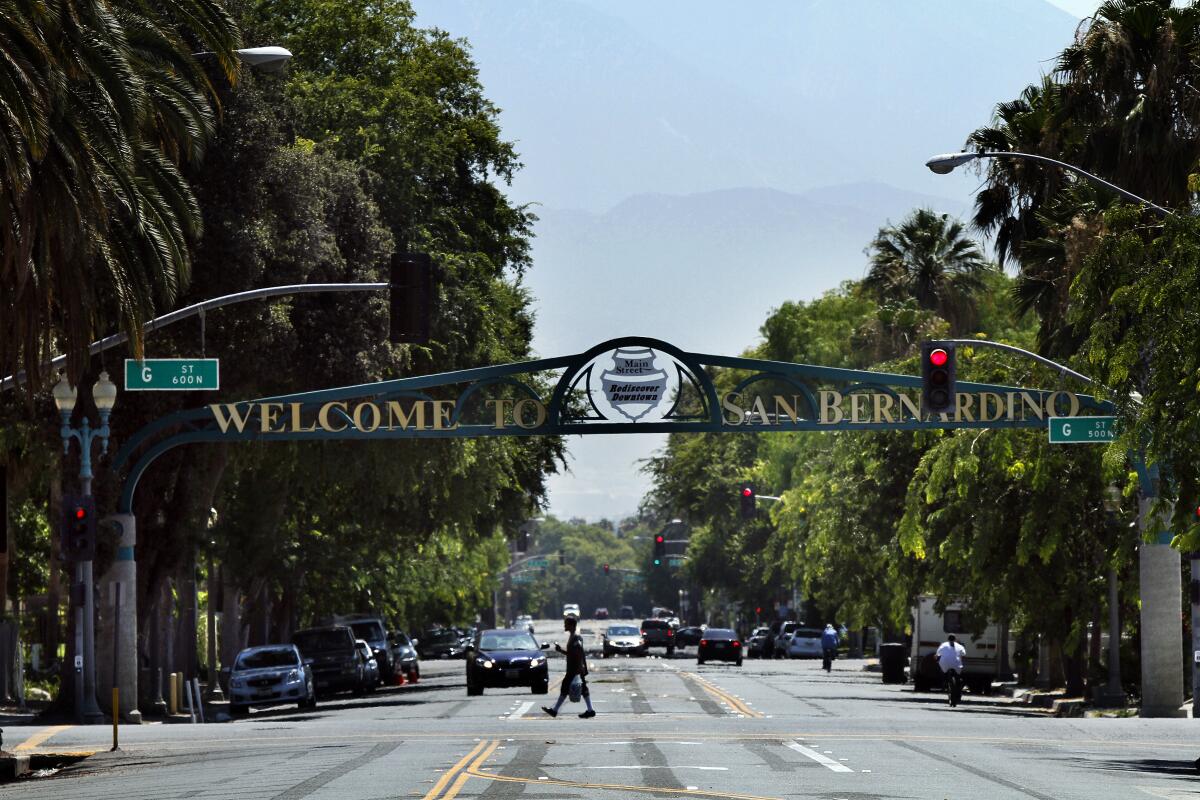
pixel 17 765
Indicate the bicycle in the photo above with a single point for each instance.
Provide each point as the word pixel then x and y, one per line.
pixel 827 660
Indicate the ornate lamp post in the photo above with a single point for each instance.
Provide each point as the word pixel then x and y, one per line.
pixel 1113 694
pixel 104 393
pixel 214 694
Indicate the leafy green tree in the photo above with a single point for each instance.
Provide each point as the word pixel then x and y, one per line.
pixel 928 257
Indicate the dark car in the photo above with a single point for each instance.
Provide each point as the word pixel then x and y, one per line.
pixel 626 612
pixel 757 644
pixel 371 674
pixel 336 665
pixel 503 658
pixel 601 613
pixel 719 644
pixel 626 639
pixel 268 676
pixel 444 643
pixel 372 631
pixel 688 637
pixel 658 633
pixel 405 654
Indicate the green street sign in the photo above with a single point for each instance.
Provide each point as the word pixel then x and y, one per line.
pixel 519 578
pixel 674 562
pixel 537 562
pixel 632 577
pixel 1082 430
pixel 172 374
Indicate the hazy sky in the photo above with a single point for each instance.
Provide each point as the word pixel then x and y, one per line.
pixel 673 144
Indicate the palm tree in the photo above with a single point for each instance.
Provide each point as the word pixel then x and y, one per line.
pixel 100 105
pixel 929 259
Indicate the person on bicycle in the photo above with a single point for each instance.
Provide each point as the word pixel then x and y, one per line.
pixel 829 645
pixel 950 658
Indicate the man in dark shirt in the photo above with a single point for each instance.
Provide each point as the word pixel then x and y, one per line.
pixel 576 665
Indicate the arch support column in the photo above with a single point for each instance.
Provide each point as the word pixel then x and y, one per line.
pixel 117 624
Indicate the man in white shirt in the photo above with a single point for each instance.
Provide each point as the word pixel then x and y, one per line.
pixel 950 658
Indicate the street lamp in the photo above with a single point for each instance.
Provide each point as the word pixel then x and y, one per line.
pixel 104 393
pixel 267 59
pixel 1113 693
pixel 214 694
pixel 948 162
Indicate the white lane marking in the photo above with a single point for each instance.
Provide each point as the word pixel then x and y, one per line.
pixel 521 709
pixel 817 757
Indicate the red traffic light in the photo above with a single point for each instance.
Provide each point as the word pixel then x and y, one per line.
pixel 80 512
pixel 659 539
pixel 747 492
pixel 938 358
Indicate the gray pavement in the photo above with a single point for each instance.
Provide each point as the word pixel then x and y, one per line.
pixel 666 727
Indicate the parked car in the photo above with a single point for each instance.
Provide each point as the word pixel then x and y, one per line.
pixel 781 638
pixel 371 674
pixel 405 650
pixel 601 613
pixel 336 665
pixel 626 612
pixel 756 645
pixel 658 633
pixel 625 639
pixel 571 610
pixel 270 675
pixel 374 633
pixel 524 623
pixel 805 643
pixel 441 643
pixel 689 637
pixel 719 644
pixel 503 658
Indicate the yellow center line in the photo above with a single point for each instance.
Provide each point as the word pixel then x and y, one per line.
pixel 39 737
pixel 471 770
pixel 442 781
pixel 720 693
pixel 618 787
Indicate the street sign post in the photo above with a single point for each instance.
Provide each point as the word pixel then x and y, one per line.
pixel 1082 430
pixel 172 374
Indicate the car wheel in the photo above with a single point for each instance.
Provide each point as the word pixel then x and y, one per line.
pixel 238 710
pixel 540 688
pixel 474 690
pixel 670 652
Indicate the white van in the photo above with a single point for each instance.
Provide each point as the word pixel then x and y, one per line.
pixel 982 663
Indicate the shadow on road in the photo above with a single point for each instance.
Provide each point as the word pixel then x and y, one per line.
pixel 1151 766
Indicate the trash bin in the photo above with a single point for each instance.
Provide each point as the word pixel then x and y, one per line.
pixel 892 660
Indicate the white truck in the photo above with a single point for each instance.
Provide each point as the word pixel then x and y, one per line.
pixel 982 664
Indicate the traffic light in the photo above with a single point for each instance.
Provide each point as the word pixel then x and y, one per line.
pixel 749 500
pixel 660 549
pixel 522 541
pixel 606 569
pixel 78 540
pixel 411 287
pixel 937 378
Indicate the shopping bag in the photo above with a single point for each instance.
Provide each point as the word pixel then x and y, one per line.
pixel 576 689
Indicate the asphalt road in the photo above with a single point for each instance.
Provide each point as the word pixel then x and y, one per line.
pixel 665 728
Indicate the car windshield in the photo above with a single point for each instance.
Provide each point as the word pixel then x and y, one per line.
pixel 762 631
pixel 316 641
pixel 371 631
pixel 719 633
pixel 444 637
pixel 260 659
pixel 623 630
pixel 655 623
pixel 401 638
pixel 807 633
pixel 507 640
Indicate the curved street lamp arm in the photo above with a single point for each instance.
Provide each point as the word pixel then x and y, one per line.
pixel 198 308
pixel 1166 212
pixel 1020 351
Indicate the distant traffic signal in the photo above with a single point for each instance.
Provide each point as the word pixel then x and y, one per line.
pixel 411 287
pixel 660 549
pixel 78 528
pixel 937 378
pixel 749 500
pixel 606 569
